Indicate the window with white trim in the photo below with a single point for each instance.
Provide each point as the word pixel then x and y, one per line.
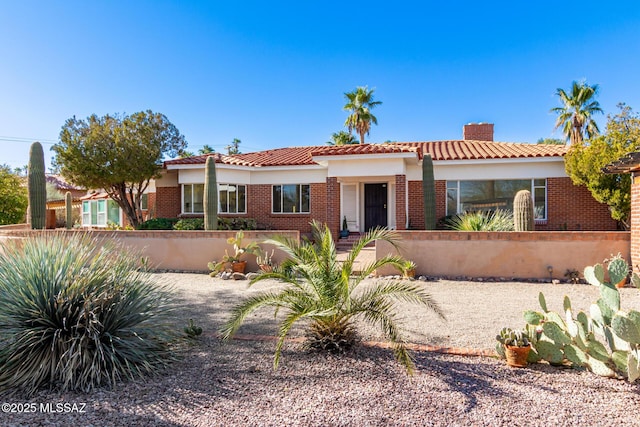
pixel 489 195
pixel 291 198
pixel 99 213
pixel 232 198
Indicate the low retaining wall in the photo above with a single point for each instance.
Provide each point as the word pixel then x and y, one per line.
pixel 505 254
pixel 177 250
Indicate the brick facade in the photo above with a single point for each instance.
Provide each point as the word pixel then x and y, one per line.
pixel 562 199
pixel 259 207
pixel 401 202
pixel 573 208
pixel 332 201
pixel 167 203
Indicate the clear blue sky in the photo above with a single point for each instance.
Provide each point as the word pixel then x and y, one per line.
pixel 274 73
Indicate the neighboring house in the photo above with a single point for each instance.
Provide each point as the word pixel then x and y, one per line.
pixel 57 200
pixel 99 210
pixel 381 184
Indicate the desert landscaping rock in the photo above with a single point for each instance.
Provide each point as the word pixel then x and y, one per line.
pixel 234 384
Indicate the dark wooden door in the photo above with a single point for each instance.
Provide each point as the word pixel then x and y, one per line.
pixel 375 206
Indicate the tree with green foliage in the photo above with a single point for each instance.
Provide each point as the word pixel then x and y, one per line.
pixel 120 154
pixel 360 103
pixel 234 147
pixel 331 296
pixel 13 197
pixel 584 163
pixel 575 114
pixel 550 141
pixel 342 138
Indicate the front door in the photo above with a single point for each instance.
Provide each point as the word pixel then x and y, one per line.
pixel 375 206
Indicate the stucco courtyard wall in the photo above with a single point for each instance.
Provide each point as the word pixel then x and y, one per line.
pixel 505 254
pixel 176 250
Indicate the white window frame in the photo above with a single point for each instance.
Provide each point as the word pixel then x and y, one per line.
pixel 221 189
pixel 299 212
pixel 182 200
pixel 532 189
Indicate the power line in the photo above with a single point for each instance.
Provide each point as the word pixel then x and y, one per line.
pixel 27 140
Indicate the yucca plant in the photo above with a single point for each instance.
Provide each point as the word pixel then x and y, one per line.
pixel 77 313
pixel 329 297
pixel 498 220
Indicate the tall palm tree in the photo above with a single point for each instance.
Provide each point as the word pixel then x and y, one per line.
pixel 575 115
pixel 342 138
pixel 359 103
pixel 330 297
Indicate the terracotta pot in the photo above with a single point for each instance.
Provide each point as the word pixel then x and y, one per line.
pixel 239 266
pixel 266 268
pixel 410 274
pixel 517 356
pixel 621 283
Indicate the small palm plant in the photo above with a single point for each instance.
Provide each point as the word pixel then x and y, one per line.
pixel 77 313
pixel 326 294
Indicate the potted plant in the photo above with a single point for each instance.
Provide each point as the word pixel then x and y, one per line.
pixel 409 270
pixel 344 233
pixel 516 346
pixel 265 261
pixel 234 262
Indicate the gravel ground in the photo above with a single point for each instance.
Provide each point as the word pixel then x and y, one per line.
pixel 234 383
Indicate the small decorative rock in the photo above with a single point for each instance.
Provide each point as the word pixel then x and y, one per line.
pixel 422 278
pixel 251 276
pixel 555 281
pixel 225 275
pixel 238 276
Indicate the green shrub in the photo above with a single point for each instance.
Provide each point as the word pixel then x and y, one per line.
pixel 189 224
pixel 237 223
pixel 158 224
pixel 77 313
pixel 498 220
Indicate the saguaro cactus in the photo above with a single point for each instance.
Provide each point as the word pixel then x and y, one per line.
pixel 37 186
pixel 523 211
pixel 68 222
pixel 428 193
pixel 210 195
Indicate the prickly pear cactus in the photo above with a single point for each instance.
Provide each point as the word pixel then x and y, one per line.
pixel 575 340
pixel 523 211
pixel 210 195
pixel 37 186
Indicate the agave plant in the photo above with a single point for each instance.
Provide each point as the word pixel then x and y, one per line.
pixel 77 313
pixel 498 220
pixel 329 296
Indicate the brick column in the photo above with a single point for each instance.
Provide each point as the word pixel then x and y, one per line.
pixel 635 222
pixel 167 202
pixel 401 202
pixel 333 206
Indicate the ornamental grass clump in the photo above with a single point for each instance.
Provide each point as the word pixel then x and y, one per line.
pixel 78 313
pixel 498 220
pixel 329 297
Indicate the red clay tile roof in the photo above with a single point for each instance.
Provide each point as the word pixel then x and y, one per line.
pixel 60 183
pixel 439 150
pixel 469 150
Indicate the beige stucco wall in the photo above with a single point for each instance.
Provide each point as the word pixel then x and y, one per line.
pixel 505 254
pixel 178 250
